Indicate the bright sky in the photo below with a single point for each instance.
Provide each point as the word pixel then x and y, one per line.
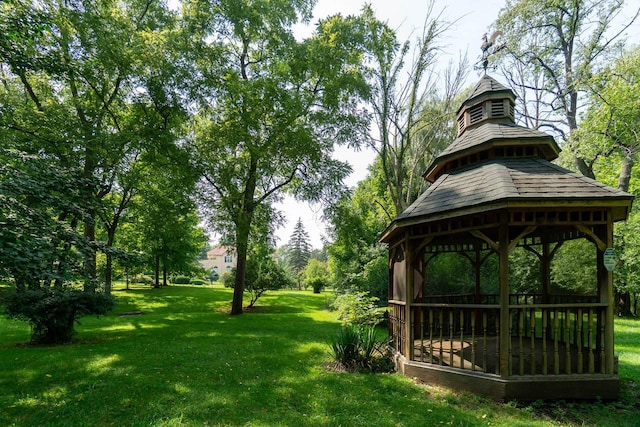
pixel 470 20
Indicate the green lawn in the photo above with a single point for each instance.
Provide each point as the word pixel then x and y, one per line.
pixel 185 361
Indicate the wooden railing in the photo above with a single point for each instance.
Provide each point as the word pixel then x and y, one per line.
pixel 550 339
pixel 546 339
pixel 397 324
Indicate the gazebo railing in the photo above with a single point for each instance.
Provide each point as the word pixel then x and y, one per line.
pixel 397 324
pixel 545 339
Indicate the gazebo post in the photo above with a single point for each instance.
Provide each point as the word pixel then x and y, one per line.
pixel 476 270
pixel 505 318
pixel 408 257
pixel 545 266
pixel 605 292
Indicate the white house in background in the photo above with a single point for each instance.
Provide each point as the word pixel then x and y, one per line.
pixel 220 259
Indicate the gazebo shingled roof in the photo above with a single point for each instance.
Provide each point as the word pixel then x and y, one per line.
pixel 494 162
pixel 497 182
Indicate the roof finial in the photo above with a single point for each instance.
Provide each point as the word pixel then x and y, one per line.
pixel 487 44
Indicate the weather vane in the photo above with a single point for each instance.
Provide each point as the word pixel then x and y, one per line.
pixel 489 48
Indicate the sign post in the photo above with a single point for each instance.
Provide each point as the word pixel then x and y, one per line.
pixel 610 259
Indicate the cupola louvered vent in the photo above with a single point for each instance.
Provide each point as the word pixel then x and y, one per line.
pixel 475 114
pixel 497 109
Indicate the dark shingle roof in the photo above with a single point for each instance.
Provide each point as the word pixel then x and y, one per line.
pixel 477 136
pixel 527 179
pixel 486 85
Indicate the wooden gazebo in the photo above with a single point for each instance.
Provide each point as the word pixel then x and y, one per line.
pixel 492 190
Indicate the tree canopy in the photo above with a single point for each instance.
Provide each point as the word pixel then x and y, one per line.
pixel 272 110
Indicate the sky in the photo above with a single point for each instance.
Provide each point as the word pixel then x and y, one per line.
pixel 469 19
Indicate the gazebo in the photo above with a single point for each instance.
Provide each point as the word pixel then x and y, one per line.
pixel 492 190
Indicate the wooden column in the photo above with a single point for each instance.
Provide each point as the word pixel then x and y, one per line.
pixel 605 291
pixel 505 319
pixel 408 257
pixel 476 270
pixel 545 267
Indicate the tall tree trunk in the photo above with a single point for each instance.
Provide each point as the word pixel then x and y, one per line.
pixel 164 274
pixel 90 259
pixel 242 239
pixel 111 237
pixel 108 273
pixel 243 228
pixel 623 300
pixel 108 268
pixel 156 283
pixel 625 170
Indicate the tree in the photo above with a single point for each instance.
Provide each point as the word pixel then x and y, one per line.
pixel 40 209
pixel 609 135
pixel 168 220
pixel 80 86
pixel 298 249
pixel 609 131
pixel 414 122
pixel 627 273
pixel 263 273
pixel 357 262
pixel 556 46
pixel 316 275
pixel 42 250
pixel 272 108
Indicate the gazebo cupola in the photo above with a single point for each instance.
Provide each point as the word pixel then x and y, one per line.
pixel 487 130
pixel 489 100
pixel 494 189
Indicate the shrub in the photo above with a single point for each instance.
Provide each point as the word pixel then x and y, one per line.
pixel 317 283
pixel 358 308
pixel 147 280
pixel 198 282
pixel 182 280
pixel 52 312
pixel 316 275
pixel 213 276
pixel 264 274
pixel 356 349
pixel 228 279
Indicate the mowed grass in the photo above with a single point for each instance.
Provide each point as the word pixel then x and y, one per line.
pixel 185 361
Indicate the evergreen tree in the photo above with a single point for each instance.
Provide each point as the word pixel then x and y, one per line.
pixel 299 248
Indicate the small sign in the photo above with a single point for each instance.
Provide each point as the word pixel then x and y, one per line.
pixel 610 259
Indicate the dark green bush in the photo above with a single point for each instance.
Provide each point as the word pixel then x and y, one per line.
pixel 213 276
pixel 317 283
pixel 52 312
pixel 198 282
pixel 182 280
pixel 356 349
pixel 228 279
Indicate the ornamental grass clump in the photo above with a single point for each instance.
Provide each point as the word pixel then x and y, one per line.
pixel 356 347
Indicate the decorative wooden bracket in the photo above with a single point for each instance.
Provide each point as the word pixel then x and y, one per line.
pixel 495 246
pixel 526 231
pixel 481 235
pixel 602 246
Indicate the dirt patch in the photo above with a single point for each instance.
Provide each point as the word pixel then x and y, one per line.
pixel 130 313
